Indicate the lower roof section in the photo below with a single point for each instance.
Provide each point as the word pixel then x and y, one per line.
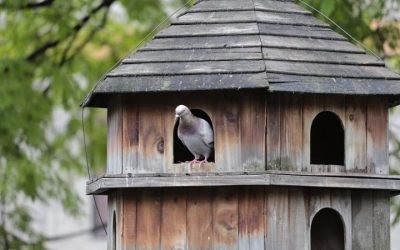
pixel 270 178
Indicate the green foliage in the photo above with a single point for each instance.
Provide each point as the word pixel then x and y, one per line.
pixel 51 53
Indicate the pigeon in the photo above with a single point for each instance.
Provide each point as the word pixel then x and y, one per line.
pixel 195 133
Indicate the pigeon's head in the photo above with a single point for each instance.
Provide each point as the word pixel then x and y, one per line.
pixel 181 111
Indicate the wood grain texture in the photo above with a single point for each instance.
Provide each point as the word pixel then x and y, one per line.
pixel 148 219
pixel 151 143
pixel 225 218
pixel 199 220
pixel 291 141
pixel 356 135
pixel 252 131
pixel 173 219
pixel 362 220
pixel 277 220
pixel 130 136
pixel 273 134
pixel 114 136
pixel 128 237
pixel 377 136
pixel 227 135
pixel 297 235
pixel 251 218
pixel 381 220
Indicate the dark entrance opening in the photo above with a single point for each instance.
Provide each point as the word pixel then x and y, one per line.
pixel 327 231
pixel 327 140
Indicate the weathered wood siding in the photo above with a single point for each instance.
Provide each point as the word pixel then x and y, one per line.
pixel 244 218
pixel 289 119
pixel 252 132
pixel 140 137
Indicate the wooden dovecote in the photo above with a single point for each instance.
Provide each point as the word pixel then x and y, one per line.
pixel 300 119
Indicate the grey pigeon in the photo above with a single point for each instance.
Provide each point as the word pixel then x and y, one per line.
pixel 195 133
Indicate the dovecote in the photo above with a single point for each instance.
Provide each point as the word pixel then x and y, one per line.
pixel 300 119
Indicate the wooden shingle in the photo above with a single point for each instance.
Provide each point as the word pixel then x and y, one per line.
pixel 245 44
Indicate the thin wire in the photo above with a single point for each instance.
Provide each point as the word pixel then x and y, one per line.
pixel 91 91
pixel 343 30
pixel 186 4
pixel 88 168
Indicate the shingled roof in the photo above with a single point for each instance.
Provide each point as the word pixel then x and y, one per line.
pixel 248 44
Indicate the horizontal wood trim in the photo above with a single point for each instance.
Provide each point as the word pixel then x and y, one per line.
pixel 231 5
pixel 271 178
pixel 189 68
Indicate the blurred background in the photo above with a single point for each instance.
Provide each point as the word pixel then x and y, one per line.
pixel 52 52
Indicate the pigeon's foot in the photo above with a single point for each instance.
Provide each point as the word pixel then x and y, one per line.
pixel 193 162
pixel 203 161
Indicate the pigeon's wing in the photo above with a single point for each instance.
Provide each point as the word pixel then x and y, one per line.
pixel 206 133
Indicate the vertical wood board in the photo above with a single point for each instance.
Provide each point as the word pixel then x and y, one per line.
pixel 377 136
pixel 114 136
pixel 251 218
pixel 148 220
pixel 130 140
pixel 225 218
pixel 173 219
pixel 355 134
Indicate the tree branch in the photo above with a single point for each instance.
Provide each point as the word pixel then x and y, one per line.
pixel 53 43
pixel 33 5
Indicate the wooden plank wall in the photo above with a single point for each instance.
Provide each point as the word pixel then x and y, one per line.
pixel 245 217
pixel 252 132
pixel 289 119
pixel 140 138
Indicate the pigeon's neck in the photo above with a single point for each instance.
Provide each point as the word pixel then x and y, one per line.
pixel 188 120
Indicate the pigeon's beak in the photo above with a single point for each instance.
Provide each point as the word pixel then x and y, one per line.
pixel 176 117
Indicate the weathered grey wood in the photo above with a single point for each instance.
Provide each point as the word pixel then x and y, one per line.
pixel 195 55
pixel 130 136
pixel 320 57
pixel 151 141
pixel 297 235
pixel 277 219
pixel 308 44
pixel 203 42
pixel 227 140
pixel 128 236
pixel 177 68
pixel 216 17
pixel 273 134
pixel 356 135
pixel 251 218
pixel 289 19
pixel 247 17
pixel 281 6
pixel 381 220
pixel 330 70
pixel 295 180
pixel 199 220
pixel 333 85
pixel 114 136
pixel 291 141
pixel 252 131
pixel 148 220
pixel 225 219
pixel 249 28
pixel 299 31
pixel 203 29
pixel 377 136
pixel 362 220
pixel 229 5
pixel 173 219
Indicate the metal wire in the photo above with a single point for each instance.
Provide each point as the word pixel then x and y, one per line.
pixel 91 91
pixel 343 30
